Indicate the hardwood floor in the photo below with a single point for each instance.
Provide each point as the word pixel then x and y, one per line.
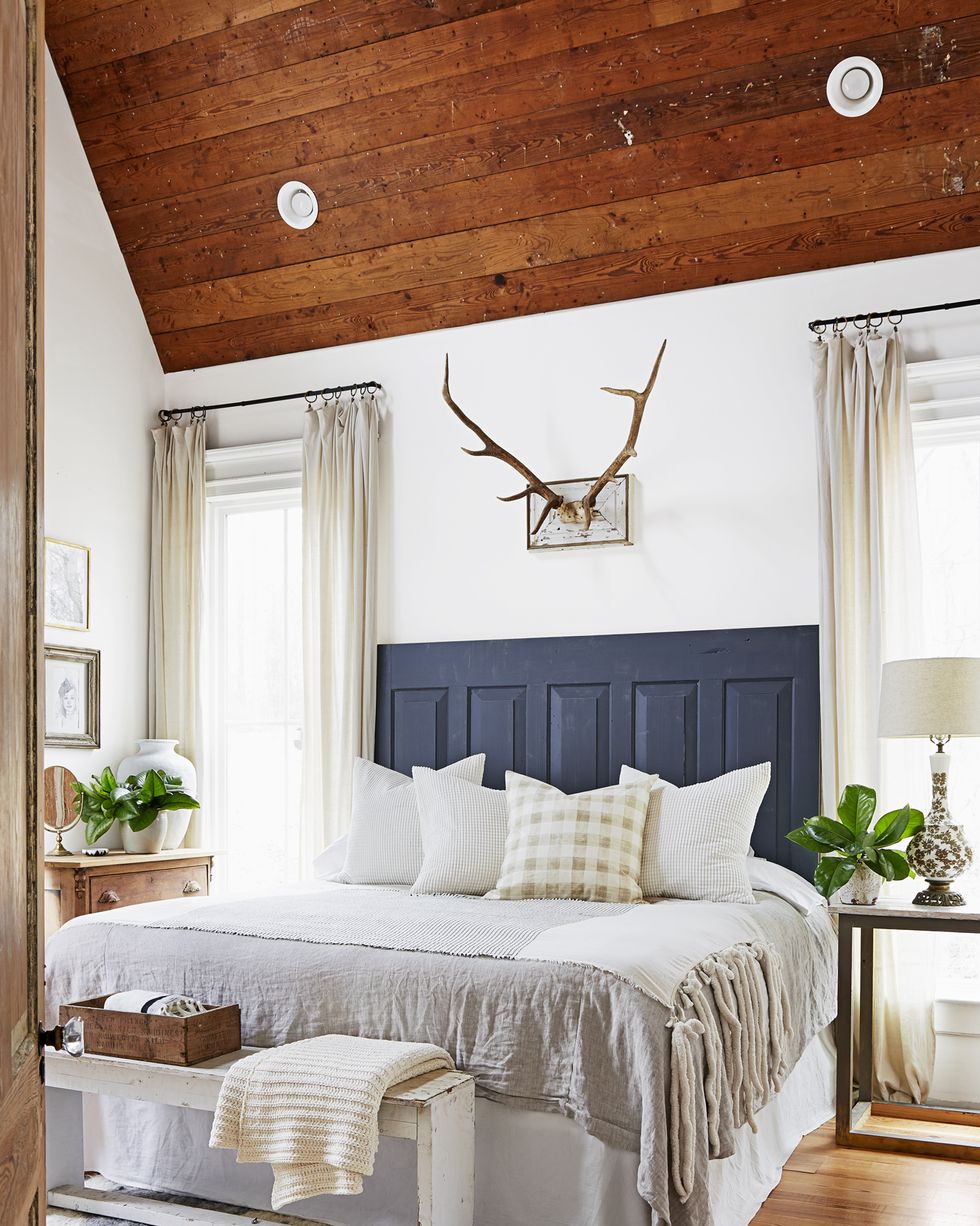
pixel 824 1185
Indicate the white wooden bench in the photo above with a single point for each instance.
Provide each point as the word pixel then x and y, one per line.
pixel 435 1111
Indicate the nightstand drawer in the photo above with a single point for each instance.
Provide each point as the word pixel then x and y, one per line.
pixel 109 891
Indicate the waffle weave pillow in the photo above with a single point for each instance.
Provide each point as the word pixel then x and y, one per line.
pixel 697 838
pixel 384 845
pixel 587 845
pixel 464 829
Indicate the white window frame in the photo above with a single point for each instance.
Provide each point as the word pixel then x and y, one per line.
pixel 261 475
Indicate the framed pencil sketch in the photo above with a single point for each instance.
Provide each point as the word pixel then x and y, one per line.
pixel 66 582
pixel 71 697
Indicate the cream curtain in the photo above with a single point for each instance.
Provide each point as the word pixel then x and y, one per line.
pixel 871 611
pixel 177 592
pixel 340 483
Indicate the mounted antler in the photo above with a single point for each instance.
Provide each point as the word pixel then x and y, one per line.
pixel 534 484
pixel 629 451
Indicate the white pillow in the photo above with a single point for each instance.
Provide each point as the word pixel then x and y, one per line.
pixel 329 864
pixel 776 879
pixel 697 838
pixel 384 845
pixel 587 845
pixel 464 829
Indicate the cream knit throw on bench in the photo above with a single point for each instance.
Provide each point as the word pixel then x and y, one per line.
pixel 310 1109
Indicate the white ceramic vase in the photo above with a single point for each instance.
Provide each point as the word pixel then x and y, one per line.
pixel 863 888
pixel 162 756
pixel 145 842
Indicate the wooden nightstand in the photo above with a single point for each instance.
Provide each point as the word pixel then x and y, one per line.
pixel 937 1131
pixel 79 885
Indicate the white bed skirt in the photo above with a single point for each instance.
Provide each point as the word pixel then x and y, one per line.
pixel 530 1166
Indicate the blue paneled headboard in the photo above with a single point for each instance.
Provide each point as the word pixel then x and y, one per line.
pixel 571 710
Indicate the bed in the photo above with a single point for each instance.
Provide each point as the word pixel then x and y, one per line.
pixel 550 1004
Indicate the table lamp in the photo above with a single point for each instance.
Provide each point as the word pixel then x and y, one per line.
pixel 937 697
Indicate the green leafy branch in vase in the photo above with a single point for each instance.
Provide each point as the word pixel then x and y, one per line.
pixel 139 801
pixel 846 844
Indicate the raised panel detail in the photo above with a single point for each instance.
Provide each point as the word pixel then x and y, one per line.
pixel 665 729
pixel 759 728
pixel 419 729
pixel 497 720
pixel 578 736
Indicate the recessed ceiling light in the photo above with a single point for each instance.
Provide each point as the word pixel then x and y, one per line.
pixel 297 205
pixel 855 86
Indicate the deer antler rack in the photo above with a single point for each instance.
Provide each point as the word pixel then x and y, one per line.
pixel 535 485
pixel 629 450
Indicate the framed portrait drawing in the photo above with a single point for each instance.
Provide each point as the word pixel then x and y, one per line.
pixel 66 581
pixel 71 697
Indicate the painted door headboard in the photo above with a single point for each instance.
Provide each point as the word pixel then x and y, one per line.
pixel 689 706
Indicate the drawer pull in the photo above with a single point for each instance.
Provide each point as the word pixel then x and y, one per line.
pixel 192 887
pixel 108 896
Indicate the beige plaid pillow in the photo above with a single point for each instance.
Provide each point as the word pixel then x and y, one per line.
pixel 587 845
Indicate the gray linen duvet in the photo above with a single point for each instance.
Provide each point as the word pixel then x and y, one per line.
pixel 539 1035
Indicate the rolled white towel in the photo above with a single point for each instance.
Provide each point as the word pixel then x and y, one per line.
pixel 159 1004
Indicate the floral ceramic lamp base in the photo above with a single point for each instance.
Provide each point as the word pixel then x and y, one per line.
pixel 939 852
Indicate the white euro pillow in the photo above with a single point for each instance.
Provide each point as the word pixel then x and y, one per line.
pixel 384 844
pixel 697 839
pixel 464 829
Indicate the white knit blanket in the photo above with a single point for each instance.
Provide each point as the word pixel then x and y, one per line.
pixel 310 1109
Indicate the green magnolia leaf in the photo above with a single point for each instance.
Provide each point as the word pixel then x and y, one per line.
pixel 802 838
pixel 830 833
pixel 891 827
pixel 95 829
pixel 831 873
pixel 895 867
pixel 856 807
pixel 140 821
pixel 176 800
pixel 915 824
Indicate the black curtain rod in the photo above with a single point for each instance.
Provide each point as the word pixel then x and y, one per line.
pixel 199 412
pixel 893 317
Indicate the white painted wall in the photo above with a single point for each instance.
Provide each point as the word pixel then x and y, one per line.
pixel 103 383
pixel 726 530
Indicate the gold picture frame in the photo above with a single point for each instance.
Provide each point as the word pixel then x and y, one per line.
pixel 67 574
pixel 72 697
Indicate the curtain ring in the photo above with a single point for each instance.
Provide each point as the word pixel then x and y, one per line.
pixel 875 321
pixel 840 326
pixel 894 318
pixel 861 327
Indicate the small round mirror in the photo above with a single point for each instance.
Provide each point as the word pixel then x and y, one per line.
pixel 60 813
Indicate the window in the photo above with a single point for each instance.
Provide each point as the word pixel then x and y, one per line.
pixel 254 696
pixel 947 452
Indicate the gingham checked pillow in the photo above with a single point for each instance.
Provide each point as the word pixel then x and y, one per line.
pixel 587 845
pixel 697 838
pixel 384 845
pixel 464 829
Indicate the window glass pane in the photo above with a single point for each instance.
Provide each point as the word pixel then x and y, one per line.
pixel 948 478
pixel 255 700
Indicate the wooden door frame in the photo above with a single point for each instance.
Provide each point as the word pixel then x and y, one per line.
pixel 25 1072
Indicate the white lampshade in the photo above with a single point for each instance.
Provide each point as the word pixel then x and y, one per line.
pixel 938 696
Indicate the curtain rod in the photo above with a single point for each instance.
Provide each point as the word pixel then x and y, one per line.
pixel 893 317
pixel 199 411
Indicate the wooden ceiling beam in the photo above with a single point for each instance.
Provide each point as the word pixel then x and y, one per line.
pixel 819 191
pixel 432 107
pixel 547 164
pixel 329 27
pixel 310 91
pixel 719 260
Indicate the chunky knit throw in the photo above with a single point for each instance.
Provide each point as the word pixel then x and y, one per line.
pixel 310 1109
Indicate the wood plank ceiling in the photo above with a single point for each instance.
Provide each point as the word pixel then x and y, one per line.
pixel 475 159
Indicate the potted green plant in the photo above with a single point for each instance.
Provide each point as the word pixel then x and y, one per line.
pixel 854 855
pixel 139 804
